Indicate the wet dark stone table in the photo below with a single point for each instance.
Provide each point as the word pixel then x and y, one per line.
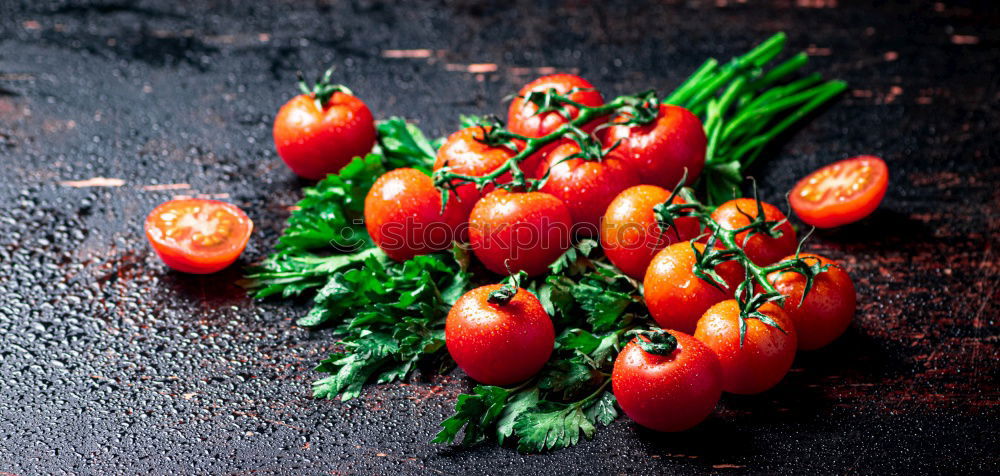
pixel 112 364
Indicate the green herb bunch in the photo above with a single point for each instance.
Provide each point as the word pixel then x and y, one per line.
pixel 388 317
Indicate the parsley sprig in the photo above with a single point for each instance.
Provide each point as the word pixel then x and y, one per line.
pixel 387 318
pixel 570 397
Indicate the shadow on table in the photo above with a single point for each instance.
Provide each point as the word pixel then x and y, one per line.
pixel 883 228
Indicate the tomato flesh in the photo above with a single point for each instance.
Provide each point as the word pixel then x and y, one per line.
pixel 842 192
pixel 198 236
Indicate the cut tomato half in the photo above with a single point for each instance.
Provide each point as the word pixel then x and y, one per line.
pixel 842 192
pixel 198 236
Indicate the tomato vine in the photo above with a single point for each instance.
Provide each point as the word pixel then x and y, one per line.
pixel 722 246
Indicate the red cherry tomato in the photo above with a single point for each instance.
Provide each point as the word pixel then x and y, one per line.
pixel 760 248
pixel 676 298
pixel 766 354
pixel 662 150
pixel 497 342
pixel 631 234
pixel 466 154
pixel 522 117
pixel 829 306
pixel 315 141
pixel 198 236
pixel 671 392
pixel 403 215
pixel 531 230
pixel 842 192
pixel 585 186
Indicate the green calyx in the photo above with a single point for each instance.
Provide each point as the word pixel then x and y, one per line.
pixel 508 289
pixel 323 89
pixel 503 295
pixel 655 341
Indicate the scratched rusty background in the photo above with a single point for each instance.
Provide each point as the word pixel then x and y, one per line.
pixel 112 364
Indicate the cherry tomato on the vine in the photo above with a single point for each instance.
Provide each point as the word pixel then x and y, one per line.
pixel 465 153
pixel 403 215
pixel 523 117
pixel 765 355
pixel 671 392
pixel 527 230
pixel 499 341
pixel 760 248
pixel 631 234
pixel 662 150
pixel 675 296
pixel 318 139
pixel 829 306
pixel 198 236
pixel 842 192
pixel 585 186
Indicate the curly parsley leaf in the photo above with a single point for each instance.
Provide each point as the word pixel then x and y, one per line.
pixel 516 406
pixel 602 411
pixel 556 298
pixel 604 295
pixel 552 425
pixel 391 318
pixel 404 145
pixel 329 214
pixel 476 412
pixel 575 260
pixel 290 274
pixel 566 376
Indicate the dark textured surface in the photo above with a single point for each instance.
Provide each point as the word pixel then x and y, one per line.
pixel 111 363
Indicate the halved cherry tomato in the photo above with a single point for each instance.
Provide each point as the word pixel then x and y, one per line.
pixel 842 192
pixel 198 236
